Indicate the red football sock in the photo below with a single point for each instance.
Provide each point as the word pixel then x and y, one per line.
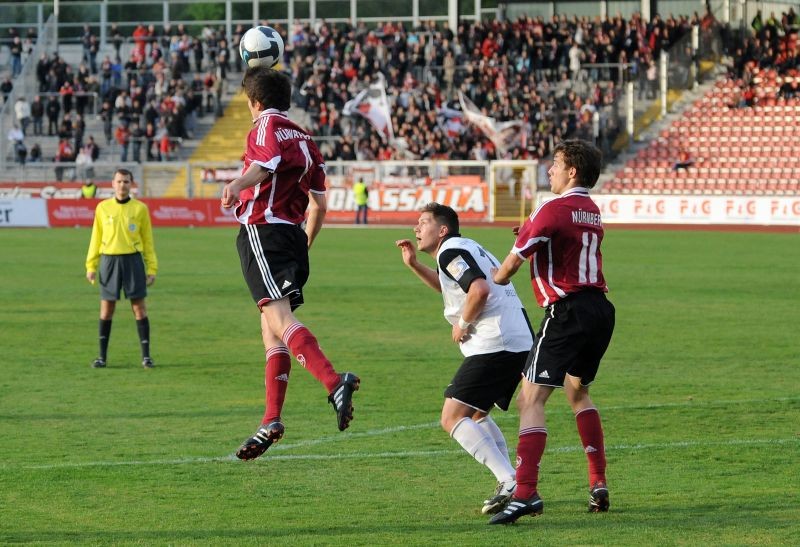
pixel 276 380
pixel 529 454
pixel 306 350
pixel 591 432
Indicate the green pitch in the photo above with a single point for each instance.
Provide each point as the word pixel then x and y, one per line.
pixel 698 393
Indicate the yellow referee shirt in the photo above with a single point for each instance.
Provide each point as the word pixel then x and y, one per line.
pixel 121 229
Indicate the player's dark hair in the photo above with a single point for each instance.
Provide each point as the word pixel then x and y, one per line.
pixel 124 173
pixel 444 215
pixel 269 87
pixel 585 157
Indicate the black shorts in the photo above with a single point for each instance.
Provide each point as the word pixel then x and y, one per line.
pixel 122 272
pixel 487 380
pixel 572 339
pixel 274 261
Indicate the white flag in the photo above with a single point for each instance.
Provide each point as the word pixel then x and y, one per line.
pixel 503 134
pixel 372 104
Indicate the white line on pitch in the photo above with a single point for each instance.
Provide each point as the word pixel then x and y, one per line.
pixel 498 416
pixel 400 454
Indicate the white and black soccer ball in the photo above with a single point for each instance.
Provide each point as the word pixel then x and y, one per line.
pixel 261 46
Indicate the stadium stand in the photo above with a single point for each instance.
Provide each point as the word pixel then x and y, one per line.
pixel 740 138
pixel 554 75
pixel 174 97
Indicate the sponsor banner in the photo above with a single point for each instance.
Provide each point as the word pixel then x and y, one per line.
pixel 163 212
pixel 700 210
pixel 55 190
pixel 23 213
pixel 71 212
pixel 402 204
pixel 221 175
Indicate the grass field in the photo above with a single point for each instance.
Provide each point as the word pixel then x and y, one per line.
pixel 698 392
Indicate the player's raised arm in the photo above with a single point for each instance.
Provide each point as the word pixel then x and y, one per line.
pixel 426 274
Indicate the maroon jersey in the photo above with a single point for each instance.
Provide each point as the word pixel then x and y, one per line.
pixel 295 168
pixel 562 238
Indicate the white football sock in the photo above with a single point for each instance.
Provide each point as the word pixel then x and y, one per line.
pixel 483 448
pixel 489 425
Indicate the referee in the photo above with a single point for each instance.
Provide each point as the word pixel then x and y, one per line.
pixel 122 257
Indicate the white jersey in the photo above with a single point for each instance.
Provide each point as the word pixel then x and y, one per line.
pixel 503 324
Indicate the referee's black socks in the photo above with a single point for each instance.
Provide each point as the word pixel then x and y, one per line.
pixel 143 326
pixel 104 330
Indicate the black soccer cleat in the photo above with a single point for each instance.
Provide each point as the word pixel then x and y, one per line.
pixel 263 439
pixel 517 508
pixel 99 363
pixel 598 498
pixel 148 363
pixel 342 398
pixel 502 495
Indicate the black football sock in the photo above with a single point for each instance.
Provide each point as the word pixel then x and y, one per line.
pixel 104 333
pixel 143 326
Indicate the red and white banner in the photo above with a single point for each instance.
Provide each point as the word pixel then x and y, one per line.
pixel 699 210
pixel 48 190
pixel 401 204
pixel 163 212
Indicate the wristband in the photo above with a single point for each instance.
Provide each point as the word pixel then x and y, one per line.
pixel 463 325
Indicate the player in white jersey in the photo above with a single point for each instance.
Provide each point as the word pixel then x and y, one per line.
pixel 492 330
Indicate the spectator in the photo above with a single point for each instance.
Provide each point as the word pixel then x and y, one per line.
pixel 78 130
pixel 67 92
pixel 37 115
pixel 5 88
pixel 16 138
pixel 22 111
pixel 16 56
pixel 64 154
pixel 685 160
pixel 123 137
pixel 116 39
pixel 35 154
pixel 91 153
pixel 107 116
pixel 136 137
pixel 53 110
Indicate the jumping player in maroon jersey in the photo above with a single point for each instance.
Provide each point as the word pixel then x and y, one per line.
pixel 283 175
pixel 561 238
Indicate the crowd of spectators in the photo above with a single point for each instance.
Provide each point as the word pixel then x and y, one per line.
pixel 773 45
pixel 148 102
pixel 542 72
pixel 560 77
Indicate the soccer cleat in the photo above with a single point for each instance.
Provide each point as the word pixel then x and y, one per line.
pixel 263 439
pixel 99 363
pixel 519 508
pixel 598 498
pixel 342 398
pixel 148 363
pixel 502 495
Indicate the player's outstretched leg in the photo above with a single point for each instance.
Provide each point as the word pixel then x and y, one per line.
pixel 598 498
pixel 502 495
pixel 517 508
pixel 263 439
pixel 342 398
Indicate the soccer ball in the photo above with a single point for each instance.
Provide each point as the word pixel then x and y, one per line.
pixel 261 46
